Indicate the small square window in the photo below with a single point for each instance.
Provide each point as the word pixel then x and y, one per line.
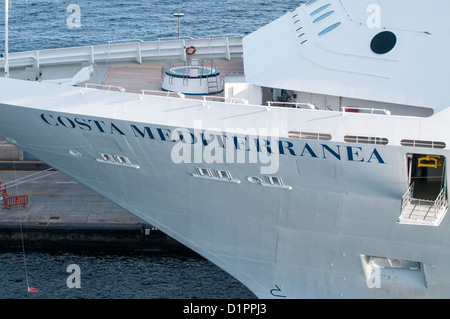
pixel 275 180
pixel 204 171
pixel 107 157
pixel 123 160
pixel 223 174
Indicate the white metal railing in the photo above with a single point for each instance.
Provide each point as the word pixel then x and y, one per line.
pixel 226 35
pixel 440 202
pixel 235 100
pixel 407 197
pixel 370 110
pixel 184 37
pixel 136 50
pixel 163 93
pixel 123 41
pixel 206 98
pixel 104 87
pixel 434 206
pixel 296 105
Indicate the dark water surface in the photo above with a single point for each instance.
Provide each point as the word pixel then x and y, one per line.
pixel 42 24
pixel 106 275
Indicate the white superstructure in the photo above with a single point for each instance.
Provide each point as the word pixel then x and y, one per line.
pixel 334 188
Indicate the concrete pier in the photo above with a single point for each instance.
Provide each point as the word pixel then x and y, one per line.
pixel 62 213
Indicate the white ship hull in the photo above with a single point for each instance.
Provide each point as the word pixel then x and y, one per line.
pixel 299 200
pixel 307 239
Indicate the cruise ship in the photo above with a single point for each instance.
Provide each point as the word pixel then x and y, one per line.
pixel 307 159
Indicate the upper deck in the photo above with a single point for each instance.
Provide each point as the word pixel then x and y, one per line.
pixel 386 51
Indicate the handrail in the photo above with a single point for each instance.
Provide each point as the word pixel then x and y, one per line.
pixel 407 196
pixel 371 109
pixel 107 87
pixel 166 93
pixel 123 41
pixel 225 99
pixel 225 35
pixel 440 202
pixel 184 37
pixel 297 104
pixel 137 50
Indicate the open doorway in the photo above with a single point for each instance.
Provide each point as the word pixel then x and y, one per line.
pixel 427 172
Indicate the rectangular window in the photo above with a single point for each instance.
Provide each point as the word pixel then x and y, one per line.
pixel 426 144
pixel 123 160
pixel 366 139
pixel 204 171
pixel 223 174
pixel 275 180
pixel 107 157
pixel 310 136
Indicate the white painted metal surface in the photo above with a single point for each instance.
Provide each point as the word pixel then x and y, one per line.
pixel 131 52
pixel 294 201
pixel 336 63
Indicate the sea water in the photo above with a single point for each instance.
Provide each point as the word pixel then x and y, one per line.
pixel 107 275
pixel 44 24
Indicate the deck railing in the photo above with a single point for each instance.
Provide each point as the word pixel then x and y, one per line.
pixel 135 50
pixel 435 207
pixel 104 87
pixel 441 202
pixel 297 105
pixel 407 196
pixel 369 110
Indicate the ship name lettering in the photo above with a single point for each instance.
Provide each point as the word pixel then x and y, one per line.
pixel 242 143
pixel 83 124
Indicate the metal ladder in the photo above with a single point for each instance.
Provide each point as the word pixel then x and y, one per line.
pixel 213 83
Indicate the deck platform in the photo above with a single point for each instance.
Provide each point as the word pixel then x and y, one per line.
pixel 134 78
pixel 421 212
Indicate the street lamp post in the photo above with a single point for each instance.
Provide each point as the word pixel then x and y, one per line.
pixel 179 15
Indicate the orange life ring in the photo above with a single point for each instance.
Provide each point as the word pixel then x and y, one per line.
pixel 190 50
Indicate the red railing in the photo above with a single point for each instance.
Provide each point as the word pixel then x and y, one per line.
pixel 10 201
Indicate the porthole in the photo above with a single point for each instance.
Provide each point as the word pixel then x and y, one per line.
pixel 75 153
pixel 383 42
pixel 254 179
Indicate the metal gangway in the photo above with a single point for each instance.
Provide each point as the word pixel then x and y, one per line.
pixel 422 211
